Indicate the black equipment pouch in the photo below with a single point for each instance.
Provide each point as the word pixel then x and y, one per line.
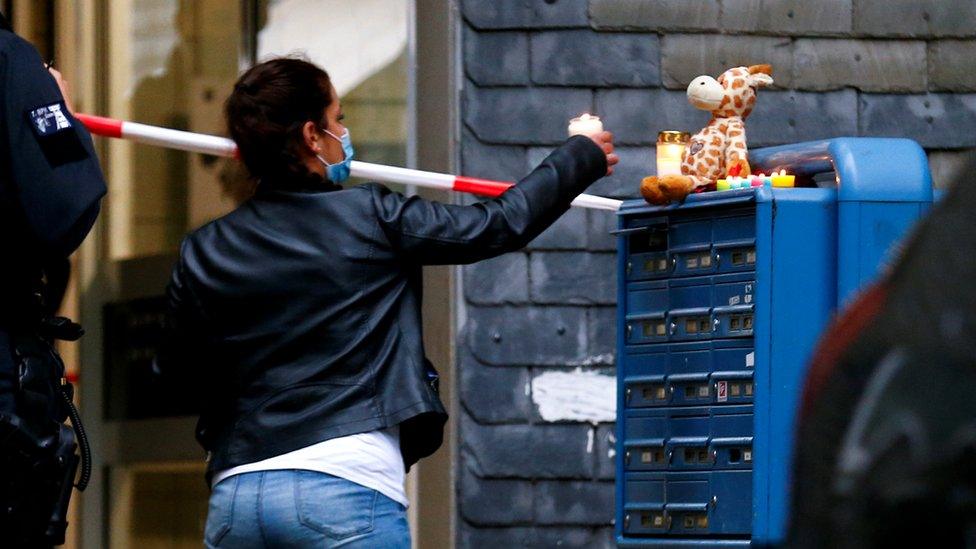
pixel 38 462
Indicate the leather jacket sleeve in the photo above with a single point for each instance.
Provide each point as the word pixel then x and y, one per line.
pixel 431 233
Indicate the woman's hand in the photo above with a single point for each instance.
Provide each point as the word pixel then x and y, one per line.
pixel 63 85
pixel 604 140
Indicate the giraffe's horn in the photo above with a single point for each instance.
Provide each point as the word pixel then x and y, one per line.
pixel 764 69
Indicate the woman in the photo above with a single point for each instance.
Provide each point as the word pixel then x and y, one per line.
pixel 300 313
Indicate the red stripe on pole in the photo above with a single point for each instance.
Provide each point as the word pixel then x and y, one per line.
pixel 99 125
pixel 483 187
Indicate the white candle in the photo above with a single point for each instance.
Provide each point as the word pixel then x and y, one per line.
pixel 670 148
pixel 585 124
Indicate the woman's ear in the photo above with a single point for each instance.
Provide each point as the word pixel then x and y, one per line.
pixel 310 134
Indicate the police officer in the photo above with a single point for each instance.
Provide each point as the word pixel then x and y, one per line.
pixel 50 189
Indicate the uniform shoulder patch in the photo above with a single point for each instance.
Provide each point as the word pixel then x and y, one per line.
pixel 48 120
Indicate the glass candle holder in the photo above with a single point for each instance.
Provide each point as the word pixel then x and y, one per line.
pixel 670 147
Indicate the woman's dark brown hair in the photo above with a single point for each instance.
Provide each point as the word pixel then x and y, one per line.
pixel 265 114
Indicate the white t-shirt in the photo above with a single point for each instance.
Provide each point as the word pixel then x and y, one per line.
pixel 369 459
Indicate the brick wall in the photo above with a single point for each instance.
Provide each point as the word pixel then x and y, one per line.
pixel 842 67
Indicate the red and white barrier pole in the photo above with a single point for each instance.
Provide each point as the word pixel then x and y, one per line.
pixel 222 146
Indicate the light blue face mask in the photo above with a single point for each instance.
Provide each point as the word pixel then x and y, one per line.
pixel 339 172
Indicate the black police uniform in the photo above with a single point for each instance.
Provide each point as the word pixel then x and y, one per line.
pixel 50 189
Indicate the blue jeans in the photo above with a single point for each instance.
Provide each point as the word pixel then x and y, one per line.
pixel 294 508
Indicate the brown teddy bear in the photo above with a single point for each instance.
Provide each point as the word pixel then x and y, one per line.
pixel 719 149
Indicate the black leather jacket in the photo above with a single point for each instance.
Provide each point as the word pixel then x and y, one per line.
pixel 297 316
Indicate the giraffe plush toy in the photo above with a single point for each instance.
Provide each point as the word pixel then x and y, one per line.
pixel 719 150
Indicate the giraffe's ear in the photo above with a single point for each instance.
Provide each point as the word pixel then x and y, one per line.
pixel 763 69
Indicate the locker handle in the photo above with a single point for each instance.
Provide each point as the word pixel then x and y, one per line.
pixel 683 442
pixel 630 230
pixel 686 507
pixel 691 311
pixel 731 441
pixel 730 376
pixel 726 244
pixel 734 309
pixel 644 443
pixel 684 378
pixel 634 380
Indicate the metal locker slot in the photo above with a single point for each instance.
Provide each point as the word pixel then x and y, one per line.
pixel 690 438
pixel 736 256
pixel 647 245
pixel 734 228
pixel 646 391
pixel 643 512
pixel 689 232
pixel 690 323
pixel 734 321
pixel 735 387
pixel 724 496
pixel 647 328
pixel 687 505
pixel 646 454
pixel 695 260
pixel 647 297
pixel 732 452
pixel 690 389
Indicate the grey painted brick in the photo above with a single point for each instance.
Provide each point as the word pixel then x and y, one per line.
pixel 535 537
pixel 574 503
pixel 794 17
pixel 686 56
pixel 527 451
pixel 606 452
pixel 494 395
pixel 921 18
pixel 635 164
pixel 504 279
pixel 869 65
pixel 567 233
pixel 790 117
pixel 544 336
pixel 599 225
pixel 949 167
pixel 500 162
pixel 586 58
pixel 496 58
pixel 602 329
pixel 655 14
pixel 951 65
pixel 934 120
pixel 494 501
pixel 525 14
pixel 532 116
pixel 636 116
pixel 582 278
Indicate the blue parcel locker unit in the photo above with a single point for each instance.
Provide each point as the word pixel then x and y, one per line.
pixel 721 300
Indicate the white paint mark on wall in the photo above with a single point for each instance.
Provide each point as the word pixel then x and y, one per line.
pixel 576 395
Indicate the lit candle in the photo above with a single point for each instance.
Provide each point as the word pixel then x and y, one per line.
pixel 585 124
pixel 780 179
pixel 670 149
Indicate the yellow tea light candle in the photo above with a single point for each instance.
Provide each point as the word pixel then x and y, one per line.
pixel 670 149
pixel 722 185
pixel 780 179
pixel 585 124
